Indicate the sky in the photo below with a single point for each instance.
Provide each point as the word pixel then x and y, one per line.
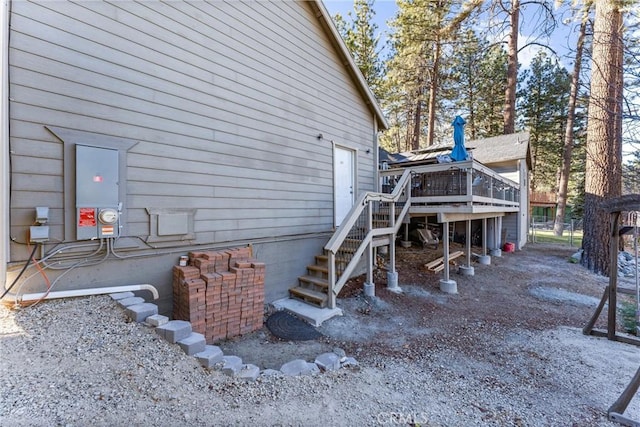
pixel 561 40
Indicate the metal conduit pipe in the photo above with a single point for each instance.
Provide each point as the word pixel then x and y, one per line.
pixel 91 291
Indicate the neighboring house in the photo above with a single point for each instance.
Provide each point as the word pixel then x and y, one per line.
pixel 151 129
pixel 507 155
pixel 510 156
pixel 543 206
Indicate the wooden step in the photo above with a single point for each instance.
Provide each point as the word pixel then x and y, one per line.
pixel 307 295
pixel 316 281
pixel 322 269
pixel 323 260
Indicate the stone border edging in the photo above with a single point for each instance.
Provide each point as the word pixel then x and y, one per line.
pixel 211 356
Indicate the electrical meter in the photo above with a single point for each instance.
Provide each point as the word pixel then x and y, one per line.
pixel 108 216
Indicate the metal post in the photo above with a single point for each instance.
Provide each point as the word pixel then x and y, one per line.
pixel 613 277
pixel 571 234
pixel 635 246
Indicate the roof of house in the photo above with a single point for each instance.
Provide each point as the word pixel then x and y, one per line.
pixel 385 156
pixel 496 149
pixel 501 148
pixel 343 50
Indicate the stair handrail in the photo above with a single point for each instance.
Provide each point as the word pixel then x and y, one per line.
pixel 361 204
pixel 341 234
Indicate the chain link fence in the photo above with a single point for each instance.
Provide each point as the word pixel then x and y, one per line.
pixel 541 230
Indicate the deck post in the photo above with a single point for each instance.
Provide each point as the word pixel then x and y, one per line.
pixel 496 251
pixel 447 285
pixel 484 259
pixel 467 270
pixel 369 286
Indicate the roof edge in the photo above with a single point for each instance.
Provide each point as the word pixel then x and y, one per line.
pixel 323 15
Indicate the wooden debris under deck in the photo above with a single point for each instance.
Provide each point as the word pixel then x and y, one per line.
pixel 438 264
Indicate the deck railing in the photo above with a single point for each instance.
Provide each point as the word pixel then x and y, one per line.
pixel 468 182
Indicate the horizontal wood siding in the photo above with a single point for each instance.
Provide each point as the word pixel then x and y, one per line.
pixel 225 101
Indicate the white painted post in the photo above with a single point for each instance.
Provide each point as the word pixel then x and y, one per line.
pixel 445 247
pixel 446 285
pixel 468 270
pixel 331 264
pixel 484 259
pixel 369 286
pixel 484 236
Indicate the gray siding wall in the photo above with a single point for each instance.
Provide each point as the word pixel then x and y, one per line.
pixel 515 226
pixel 222 102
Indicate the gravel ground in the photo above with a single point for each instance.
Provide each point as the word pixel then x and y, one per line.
pixel 504 352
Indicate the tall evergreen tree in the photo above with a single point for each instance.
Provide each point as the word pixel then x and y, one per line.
pixel 631 174
pixel 423 30
pixel 360 34
pixel 477 68
pixel 543 105
pixel 511 13
pixel 604 133
pixel 570 128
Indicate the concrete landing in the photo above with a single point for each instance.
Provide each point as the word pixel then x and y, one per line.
pixel 314 315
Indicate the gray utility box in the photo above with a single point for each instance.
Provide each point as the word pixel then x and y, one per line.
pixel 97 193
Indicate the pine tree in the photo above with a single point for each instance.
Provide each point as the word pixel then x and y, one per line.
pixel 604 133
pixel 543 105
pixel 423 30
pixel 510 12
pixel 564 174
pixel 631 174
pixel 477 68
pixel 361 37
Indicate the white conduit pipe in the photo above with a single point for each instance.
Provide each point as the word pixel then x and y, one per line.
pixel 91 291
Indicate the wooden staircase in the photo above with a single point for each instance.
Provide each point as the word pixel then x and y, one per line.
pixel 373 221
pixel 313 287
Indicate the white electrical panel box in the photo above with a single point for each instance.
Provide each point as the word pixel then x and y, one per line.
pixel 97 193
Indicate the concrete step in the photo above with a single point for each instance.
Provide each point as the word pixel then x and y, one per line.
pixel 311 313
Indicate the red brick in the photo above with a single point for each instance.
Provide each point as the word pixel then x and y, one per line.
pixel 186 272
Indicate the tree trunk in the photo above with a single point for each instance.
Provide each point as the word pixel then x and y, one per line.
pixel 509 113
pixel 604 137
pixel 415 137
pixel 565 168
pixel 433 90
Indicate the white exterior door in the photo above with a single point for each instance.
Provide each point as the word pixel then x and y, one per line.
pixel 343 182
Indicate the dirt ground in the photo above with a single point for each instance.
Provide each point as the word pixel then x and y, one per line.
pixel 507 350
pixel 533 289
